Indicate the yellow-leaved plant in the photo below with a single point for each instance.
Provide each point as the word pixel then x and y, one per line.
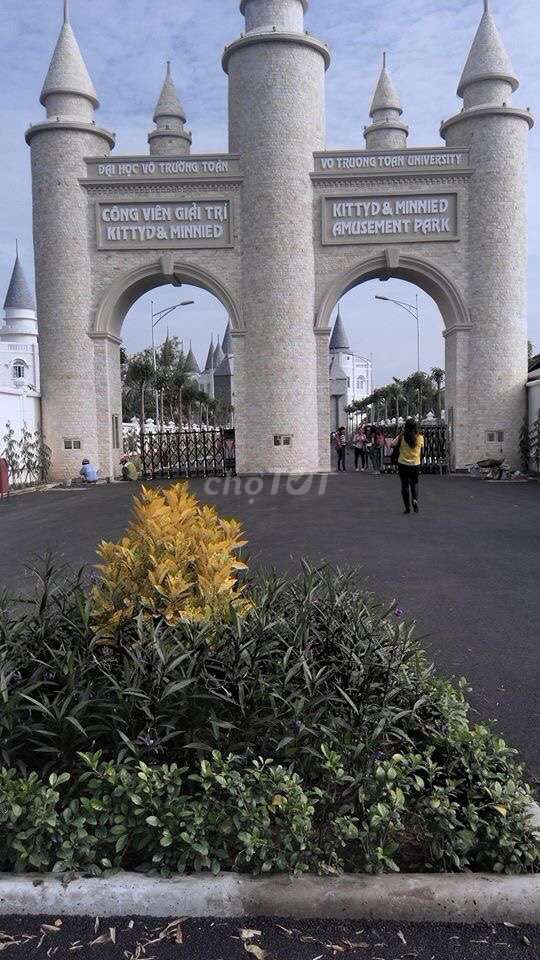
pixel 178 560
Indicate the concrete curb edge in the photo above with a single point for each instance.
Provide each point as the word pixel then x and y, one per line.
pixel 463 898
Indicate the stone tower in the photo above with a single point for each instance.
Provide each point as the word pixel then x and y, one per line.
pixel 59 144
pixel 496 134
pixel 387 132
pixel 276 121
pixel 170 138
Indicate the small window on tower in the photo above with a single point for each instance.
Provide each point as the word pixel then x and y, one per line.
pixel 19 370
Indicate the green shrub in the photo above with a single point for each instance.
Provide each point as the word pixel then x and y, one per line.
pixel 403 778
pixel 29 820
pixel 255 818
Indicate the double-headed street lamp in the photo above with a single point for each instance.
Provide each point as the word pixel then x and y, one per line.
pixel 157 317
pixel 414 311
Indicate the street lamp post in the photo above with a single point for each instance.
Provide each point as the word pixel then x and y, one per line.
pixel 157 317
pixel 414 311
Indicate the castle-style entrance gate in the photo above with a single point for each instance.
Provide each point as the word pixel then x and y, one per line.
pixel 278 229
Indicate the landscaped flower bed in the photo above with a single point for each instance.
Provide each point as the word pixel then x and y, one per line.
pixel 296 726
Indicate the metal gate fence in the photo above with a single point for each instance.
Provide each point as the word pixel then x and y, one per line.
pixel 435 458
pixel 187 453
pixel 534 446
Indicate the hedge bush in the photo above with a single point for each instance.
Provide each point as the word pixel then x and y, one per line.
pixel 162 819
pixel 316 685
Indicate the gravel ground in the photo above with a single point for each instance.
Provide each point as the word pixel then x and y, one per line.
pixel 193 939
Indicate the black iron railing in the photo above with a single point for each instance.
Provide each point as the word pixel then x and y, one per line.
pixel 534 446
pixel 187 453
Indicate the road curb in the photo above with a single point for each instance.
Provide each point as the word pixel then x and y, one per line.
pixel 463 898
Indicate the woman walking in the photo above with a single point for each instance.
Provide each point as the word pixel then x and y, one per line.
pixel 411 446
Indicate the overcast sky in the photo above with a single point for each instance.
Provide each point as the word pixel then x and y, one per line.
pixel 126 43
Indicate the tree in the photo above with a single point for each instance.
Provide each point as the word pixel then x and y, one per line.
pixel 180 378
pixel 438 375
pixel 530 349
pixel 190 394
pixel 140 374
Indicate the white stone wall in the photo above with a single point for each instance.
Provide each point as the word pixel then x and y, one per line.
pixel 18 408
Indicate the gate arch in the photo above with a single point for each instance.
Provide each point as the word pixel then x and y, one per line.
pixel 416 270
pixel 127 289
pixel 106 328
pixel 455 314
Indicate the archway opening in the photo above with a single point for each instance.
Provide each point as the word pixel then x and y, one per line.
pixel 387 355
pixel 164 345
pixel 395 367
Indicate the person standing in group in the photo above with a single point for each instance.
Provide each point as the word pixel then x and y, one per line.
pixel 360 447
pixel 411 446
pixel 340 442
pixel 377 448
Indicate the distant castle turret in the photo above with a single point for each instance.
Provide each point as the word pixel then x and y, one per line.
pixel 19 357
pixel 350 375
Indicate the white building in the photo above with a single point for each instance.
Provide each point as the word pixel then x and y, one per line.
pixel 19 359
pixel 350 375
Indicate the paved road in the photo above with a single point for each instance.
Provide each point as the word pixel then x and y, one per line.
pixel 467 567
pixel 261 940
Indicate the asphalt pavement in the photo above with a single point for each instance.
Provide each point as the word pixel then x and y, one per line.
pixel 466 568
pixel 192 939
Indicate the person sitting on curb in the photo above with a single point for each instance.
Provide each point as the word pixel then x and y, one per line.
pixel 129 469
pixel 88 472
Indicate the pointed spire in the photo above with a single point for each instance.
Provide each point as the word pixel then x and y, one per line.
pixel 19 296
pixel 219 356
pixel 386 96
pixel 488 59
pixel 209 365
pixel 339 339
pixel 191 362
pixel 169 104
pixel 170 138
pixel 67 72
pixel 227 344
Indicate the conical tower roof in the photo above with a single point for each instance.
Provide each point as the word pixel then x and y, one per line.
pixel 209 365
pixel 386 96
pixel 224 369
pixel 67 72
pixel 191 362
pixel 19 296
pixel 488 59
pixel 339 339
pixel 218 355
pixel 169 104
pixel 227 344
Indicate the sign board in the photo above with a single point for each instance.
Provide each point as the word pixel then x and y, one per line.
pixel 342 163
pixel 388 218
pixel 163 168
pixel 164 225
